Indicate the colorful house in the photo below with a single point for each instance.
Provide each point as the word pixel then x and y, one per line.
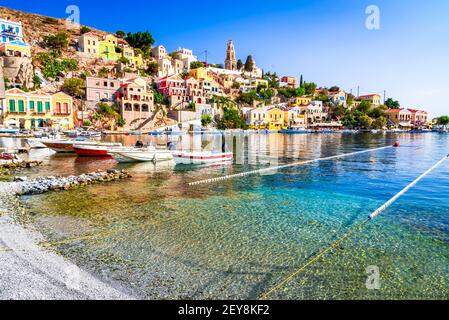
pixel 299 101
pixel 294 117
pixel 258 118
pixel 11 39
pixel 401 117
pixel 30 110
pixel 255 82
pixel 275 118
pixel 374 99
pixel 200 73
pixel 106 48
pixel 62 111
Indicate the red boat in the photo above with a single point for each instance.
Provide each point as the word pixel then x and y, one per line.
pixel 91 151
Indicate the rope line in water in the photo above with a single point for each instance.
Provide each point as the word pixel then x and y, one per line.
pixel 351 231
pixel 295 164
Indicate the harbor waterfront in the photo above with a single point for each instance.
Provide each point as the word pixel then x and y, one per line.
pixel 153 236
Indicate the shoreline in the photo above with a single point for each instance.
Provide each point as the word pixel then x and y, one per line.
pixel 30 272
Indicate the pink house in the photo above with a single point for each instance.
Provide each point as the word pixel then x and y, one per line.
pixel 419 117
pixel 180 90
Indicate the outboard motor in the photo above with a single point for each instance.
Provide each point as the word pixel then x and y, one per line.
pixel 139 144
pixel 171 146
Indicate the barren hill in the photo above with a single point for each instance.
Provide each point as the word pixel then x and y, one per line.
pixel 36 26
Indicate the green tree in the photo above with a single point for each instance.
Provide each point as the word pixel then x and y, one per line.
pixel 36 82
pixel 443 121
pixel 232 119
pixel 309 87
pixel 103 72
pixel 141 40
pixel 123 60
pixel 301 81
pixel 249 64
pixel 152 68
pixel 380 123
pixel 57 42
pixel 196 65
pixel 376 113
pixel 365 122
pixel 240 64
pixel 364 107
pixel 120 34
pixel 392 104
pixel 85 29
pixel 74 87
pixel 206 120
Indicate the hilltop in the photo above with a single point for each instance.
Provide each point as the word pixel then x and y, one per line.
pixel 36 27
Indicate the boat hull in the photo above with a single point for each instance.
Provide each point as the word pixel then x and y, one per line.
pixel 90 152
pixel 186 158
pixel 36 144
pixel 141 156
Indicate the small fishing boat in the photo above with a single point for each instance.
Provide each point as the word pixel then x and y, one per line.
pixel 97 150
pixel 36 144
pixel 9 130
pixel 66 146
pixel 205 157
pixel 295 130
pixel 148 154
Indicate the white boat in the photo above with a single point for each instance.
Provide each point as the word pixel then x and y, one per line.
pixel 149 154
pixel 66 146
pixel 205 157
pixel 35 144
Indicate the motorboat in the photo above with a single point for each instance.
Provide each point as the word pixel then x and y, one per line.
pixel 146 154
pixel 295 130
pixel 96 150
pixel 66 146
pixel 202 157
pixel 36 143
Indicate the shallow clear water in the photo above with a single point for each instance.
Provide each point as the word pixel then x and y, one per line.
pixel 159 238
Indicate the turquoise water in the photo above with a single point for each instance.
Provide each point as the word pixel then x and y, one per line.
pixel 237 239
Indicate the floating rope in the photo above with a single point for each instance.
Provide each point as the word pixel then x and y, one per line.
pixel 351 232
pixel 295 164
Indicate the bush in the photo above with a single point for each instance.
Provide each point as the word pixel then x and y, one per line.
pixel 74 87
pixel 53 66
pixel 85 29
pixel 57 41
pixel 206 120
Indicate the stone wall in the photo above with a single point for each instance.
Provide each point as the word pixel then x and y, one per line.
pixel 18 70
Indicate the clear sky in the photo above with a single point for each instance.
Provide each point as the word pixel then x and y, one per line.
pixel 326 41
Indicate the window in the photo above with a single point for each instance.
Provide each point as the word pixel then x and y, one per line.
pixel 31 105
pixel 47 105
pixel 66 108
pixel 58 107
pixel 12 105
pixel 21 106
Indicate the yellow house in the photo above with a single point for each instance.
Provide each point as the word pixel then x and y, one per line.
pixel 200 73
pixel 106 48
pixel 31 110
pixel 259 82
pixel 62 107
pixel 258 118
pixel 128 53
pixel 299 101
pixel 275 118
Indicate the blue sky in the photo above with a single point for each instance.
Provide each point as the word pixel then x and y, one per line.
pixel 326 41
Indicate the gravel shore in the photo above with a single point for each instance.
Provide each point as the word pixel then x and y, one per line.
pixel 29 272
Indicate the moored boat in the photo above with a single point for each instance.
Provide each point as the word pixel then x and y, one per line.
pixel 93 150
pixel 196 158
pixel 149 154
pixel 66 146
pixel 295 130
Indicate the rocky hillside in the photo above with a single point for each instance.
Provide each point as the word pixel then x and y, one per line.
pixel 36 26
